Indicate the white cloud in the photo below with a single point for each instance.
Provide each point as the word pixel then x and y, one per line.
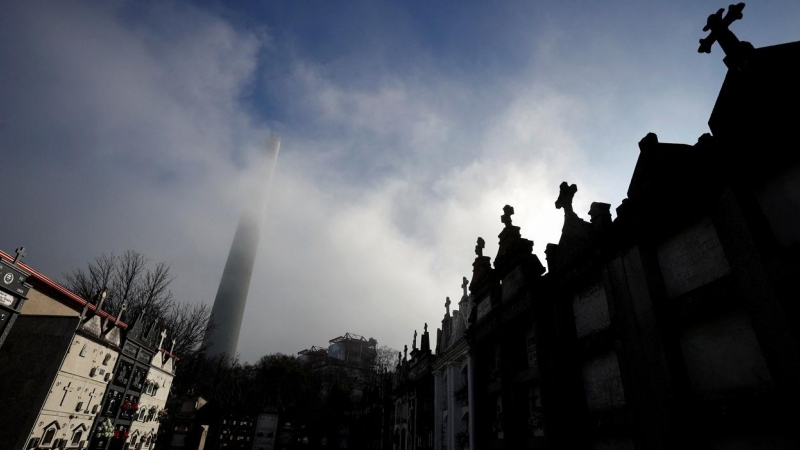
pixel 132 131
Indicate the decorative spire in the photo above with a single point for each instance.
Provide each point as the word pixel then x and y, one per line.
pixel 447 306
pixel 479 247
pixel 508 211
pixel 172 349
pixel 426 327
pixel 414 343
pixel 565 196
pixel 405 352
pixel 20 254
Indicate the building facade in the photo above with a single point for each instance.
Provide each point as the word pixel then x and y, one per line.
pixel 55 367
pixel 122 401
pixel 145 428
pixel 452 375
pixel 675 325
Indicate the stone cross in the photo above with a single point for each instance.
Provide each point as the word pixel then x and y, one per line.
pixel 92 395
pixel 480 246
pixel 163 336
pixel 718 26
pixel 20 254
pixel 122 311
pixel 508 211
pixel 414 343
pixel 464 285
pixel 67 389
pixel 565 197
pixel 447 306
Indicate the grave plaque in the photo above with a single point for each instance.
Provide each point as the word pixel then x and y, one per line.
pixel 692 258
pixel 590 309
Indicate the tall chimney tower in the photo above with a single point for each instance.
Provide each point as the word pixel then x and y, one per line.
pixel 222 335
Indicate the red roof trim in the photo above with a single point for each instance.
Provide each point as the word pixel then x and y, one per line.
pixel 69 294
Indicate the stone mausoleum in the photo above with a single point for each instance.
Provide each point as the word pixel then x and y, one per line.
pixel 675 325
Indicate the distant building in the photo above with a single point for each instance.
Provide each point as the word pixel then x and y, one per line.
pixel 222 336
pixel 413 398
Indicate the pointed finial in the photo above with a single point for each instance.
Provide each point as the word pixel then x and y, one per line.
pixel 172 349
pixel 163 336
pixel 100 298
pixel 479 247
pixel 508 211
pixel 405 351
pixel 565 197
pixel 426 327
pixel 20 254
pixel 414 343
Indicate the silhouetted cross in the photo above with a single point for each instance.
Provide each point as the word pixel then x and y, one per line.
pixel 565 197
pixel 720 32
pixel 506 217
pixel 464 284
pixel 447 306
pixel 20 254
pixel 480 246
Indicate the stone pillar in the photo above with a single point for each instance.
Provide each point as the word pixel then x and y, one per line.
pixel 453 411
pixel 471 394
pixel 437 410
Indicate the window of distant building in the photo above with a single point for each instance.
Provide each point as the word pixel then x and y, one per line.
pixel 76 438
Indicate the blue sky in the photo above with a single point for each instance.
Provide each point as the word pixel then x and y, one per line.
pixel 406 126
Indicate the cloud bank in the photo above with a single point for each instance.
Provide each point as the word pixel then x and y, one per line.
pixel 137 125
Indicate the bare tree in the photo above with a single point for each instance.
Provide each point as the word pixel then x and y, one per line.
pixel 187 324
pixel 144 287
pixel 386 360
pixel 97 276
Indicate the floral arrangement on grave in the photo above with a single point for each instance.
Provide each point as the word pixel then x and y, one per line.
pixel 130 405
pixel 105 429
pixel 121 433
